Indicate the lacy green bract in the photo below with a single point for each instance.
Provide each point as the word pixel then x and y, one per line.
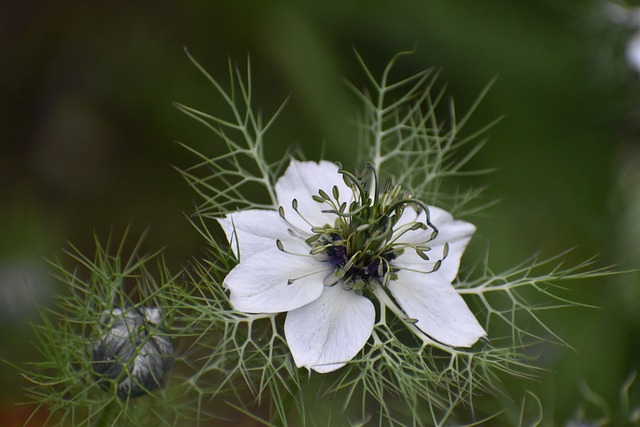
pixel 333 249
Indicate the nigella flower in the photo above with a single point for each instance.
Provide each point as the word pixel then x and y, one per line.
pixel 338 244
pixel 133 352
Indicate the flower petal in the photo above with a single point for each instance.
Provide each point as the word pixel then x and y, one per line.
pixel 302 180
pixel 260 284
pixel 436 305
pixel 254 231
pixel 455 233
pixel 330 331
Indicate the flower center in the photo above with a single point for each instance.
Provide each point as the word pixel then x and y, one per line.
pixel 363 240
pixel 356 269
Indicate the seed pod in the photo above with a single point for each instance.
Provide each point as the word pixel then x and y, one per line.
pixel 134 351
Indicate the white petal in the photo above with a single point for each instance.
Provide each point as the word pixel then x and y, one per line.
pixel 254 231
pixel 455 233
pixel 260 284
pixel 302 180
pixel 330 331
pixel 440 311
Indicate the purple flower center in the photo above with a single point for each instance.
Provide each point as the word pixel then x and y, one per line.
pixel 366 268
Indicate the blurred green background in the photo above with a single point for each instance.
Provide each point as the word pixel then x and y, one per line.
pixel 88 139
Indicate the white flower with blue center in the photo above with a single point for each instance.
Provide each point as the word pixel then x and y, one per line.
pixel 336 245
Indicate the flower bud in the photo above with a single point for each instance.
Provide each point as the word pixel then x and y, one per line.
pixel 134 352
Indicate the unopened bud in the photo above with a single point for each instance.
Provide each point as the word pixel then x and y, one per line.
pixel 134 352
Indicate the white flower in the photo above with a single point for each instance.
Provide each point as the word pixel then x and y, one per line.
pixel 334 248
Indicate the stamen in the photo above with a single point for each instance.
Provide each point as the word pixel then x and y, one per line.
pixel 418 226
pixel 400 231
pixel 281 248
pixel 324 195
pixel 313 238
pixel 331 280
pixel 293 229
pixel 423 206
pixel 294 206
pixel 353 182
pixel 292 280
pixel 421 254
pixel 317 250
pixel 336 193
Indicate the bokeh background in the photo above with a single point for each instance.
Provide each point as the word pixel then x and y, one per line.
pixel 88 140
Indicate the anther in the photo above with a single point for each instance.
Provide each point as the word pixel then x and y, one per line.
pixel 317 250
pixel 313 238
pixel 422 255
pixel 331 280
pixel 363 227
pixel 336 193
pixel 416 226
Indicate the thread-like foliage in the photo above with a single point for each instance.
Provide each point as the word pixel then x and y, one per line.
pixel 230 364
pixel 65 383
pixel 397 379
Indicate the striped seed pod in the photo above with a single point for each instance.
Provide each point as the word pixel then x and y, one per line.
pixel 134 351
